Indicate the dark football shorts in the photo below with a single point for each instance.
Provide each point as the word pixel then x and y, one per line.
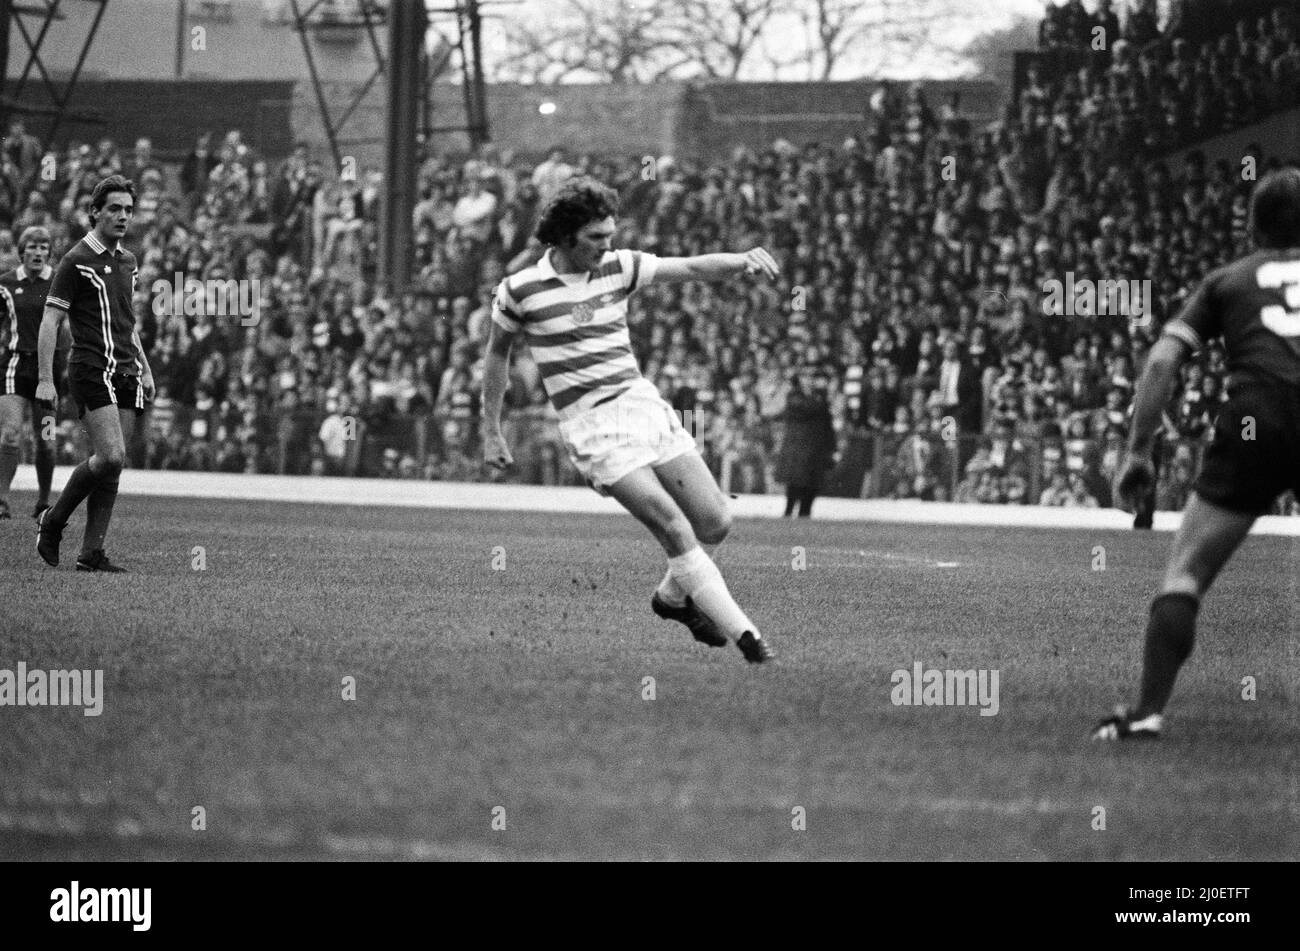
pixel 94 389
pixel 1247 474
pixel 19 376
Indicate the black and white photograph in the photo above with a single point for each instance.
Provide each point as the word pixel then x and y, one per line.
pixel 650 431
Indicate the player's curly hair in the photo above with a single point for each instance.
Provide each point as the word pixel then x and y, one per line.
pixel 1275 209
pixel 106 186
pixel 579 202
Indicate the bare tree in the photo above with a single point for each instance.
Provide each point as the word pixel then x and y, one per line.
pixel 888 32
pixel 617 41
pixel 537 54
pixel 636 41
pixel 717 36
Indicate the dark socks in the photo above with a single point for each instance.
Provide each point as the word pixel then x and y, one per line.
pixel 8 466
pixel 1171 632
pixel 44 470
pixel 99 511
pixel 80 484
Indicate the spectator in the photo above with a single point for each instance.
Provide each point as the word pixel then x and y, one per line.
pixel 959 390
pixel 338 433
pixel 809 447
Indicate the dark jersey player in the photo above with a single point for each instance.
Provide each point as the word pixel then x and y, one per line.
pixel 22 305
pixel 1254 305
pixel 108 373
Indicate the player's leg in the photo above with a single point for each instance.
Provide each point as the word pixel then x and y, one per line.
pixel 688 480
pixel 100 502
pixel 11 428
pixel 806 497
pixel 1207 538
pixel 107 456
pixel 692 486
pixel 642 493
pixel 45 440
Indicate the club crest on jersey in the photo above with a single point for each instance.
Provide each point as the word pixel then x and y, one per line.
pixel 583 313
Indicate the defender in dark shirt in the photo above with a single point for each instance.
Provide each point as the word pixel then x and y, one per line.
pixel 22 305
pixel 108 373
pixel 1254 305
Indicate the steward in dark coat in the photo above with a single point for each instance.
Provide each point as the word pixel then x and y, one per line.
pixel 808 446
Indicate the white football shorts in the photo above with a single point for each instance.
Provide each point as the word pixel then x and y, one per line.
pixel 637 428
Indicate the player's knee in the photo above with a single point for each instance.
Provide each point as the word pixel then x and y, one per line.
pixel 714 527
pixel 10 438
pixel 1181 579
pixel 673 528
pixel 112 461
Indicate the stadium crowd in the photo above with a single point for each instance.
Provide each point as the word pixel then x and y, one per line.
pixel 1121 91
pixel 911 307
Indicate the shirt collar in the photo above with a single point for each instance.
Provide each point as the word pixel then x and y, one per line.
pixel 98 246
pixel 545 265
pixel 548 269
pixel 46 271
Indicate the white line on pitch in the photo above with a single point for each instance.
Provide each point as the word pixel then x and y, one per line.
pixel 814 554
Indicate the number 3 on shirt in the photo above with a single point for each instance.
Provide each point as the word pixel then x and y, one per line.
pixel 1282 320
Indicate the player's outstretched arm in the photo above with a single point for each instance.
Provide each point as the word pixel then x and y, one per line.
pixel 496 377
pixel 717 267
pixel 46 342
pixel 1153 393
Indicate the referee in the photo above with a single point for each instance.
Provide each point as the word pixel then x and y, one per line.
pixel 108 373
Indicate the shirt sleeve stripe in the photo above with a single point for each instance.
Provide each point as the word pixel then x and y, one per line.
pixel 58 302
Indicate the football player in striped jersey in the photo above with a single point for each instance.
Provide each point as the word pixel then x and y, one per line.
pixel 571 309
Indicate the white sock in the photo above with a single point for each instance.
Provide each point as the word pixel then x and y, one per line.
pixel 697 575
pixel 670 590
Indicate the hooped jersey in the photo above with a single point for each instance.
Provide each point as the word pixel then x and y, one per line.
pixel 576 326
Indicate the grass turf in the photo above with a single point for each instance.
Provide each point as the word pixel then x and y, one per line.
pixel 523 689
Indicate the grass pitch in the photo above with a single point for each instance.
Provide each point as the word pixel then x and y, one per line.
pixel 517 696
